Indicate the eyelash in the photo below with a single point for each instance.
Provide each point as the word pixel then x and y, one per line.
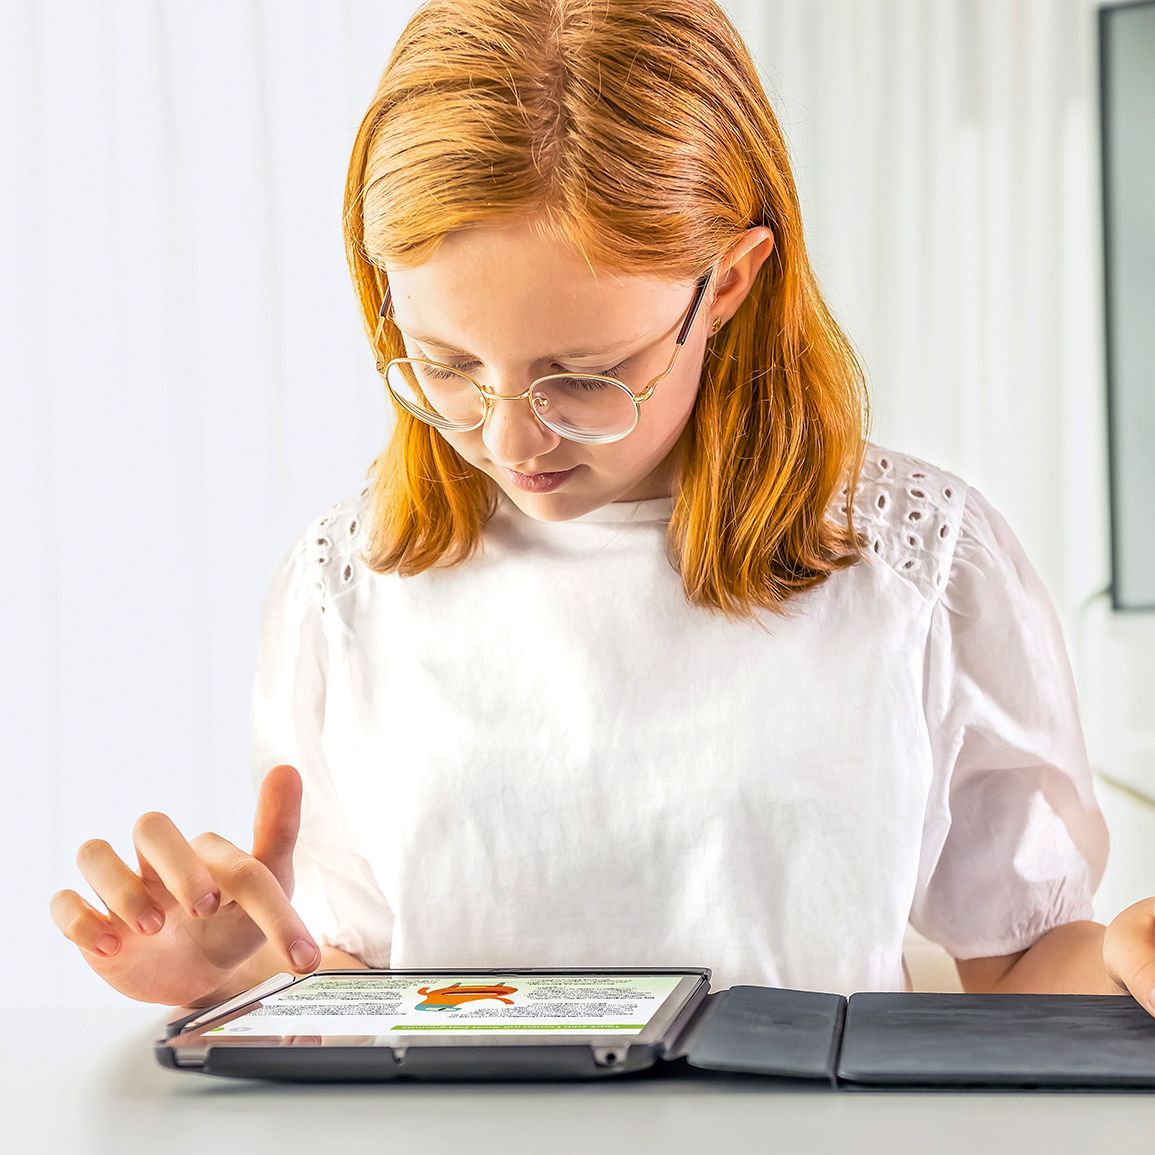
pixel 614 372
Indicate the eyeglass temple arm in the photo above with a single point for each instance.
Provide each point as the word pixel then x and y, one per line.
pixel 699 295
pixel 381 325
pixel 703 281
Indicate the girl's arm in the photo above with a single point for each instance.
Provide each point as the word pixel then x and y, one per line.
pixel 1066 960
pixel 1118 958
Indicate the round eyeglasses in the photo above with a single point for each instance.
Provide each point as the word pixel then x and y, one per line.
pixel 587 407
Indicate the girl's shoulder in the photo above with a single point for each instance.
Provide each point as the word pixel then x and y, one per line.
pixel 911 513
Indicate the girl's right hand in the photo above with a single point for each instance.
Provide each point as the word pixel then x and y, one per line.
pixel 181 930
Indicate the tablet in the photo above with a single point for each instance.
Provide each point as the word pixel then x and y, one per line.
pixel 438 1023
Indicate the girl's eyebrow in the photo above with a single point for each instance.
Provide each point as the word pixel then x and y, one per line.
pixel 573 355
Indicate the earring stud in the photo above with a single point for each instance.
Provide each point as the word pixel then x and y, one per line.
pixel 716 325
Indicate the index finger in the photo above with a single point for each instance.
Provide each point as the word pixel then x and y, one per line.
pixel 258 892
pixel 277 822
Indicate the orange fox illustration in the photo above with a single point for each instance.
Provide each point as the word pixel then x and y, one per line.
pixel 451 997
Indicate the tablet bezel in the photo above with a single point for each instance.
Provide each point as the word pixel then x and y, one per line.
pixel 190 1043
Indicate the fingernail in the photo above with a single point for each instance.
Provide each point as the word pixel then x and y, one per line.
pixel 304 954
pixel 150 922
pixel 207 904
pixel 108 944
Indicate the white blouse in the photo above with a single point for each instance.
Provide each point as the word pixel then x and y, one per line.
pixel 547 757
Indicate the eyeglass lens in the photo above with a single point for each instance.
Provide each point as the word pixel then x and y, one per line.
pixel 570 404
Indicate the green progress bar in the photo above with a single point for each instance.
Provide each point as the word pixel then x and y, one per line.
pixel 525 1027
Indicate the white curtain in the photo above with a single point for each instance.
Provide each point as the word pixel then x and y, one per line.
pixel 185 379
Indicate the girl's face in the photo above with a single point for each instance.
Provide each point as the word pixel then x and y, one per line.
pixel 506 307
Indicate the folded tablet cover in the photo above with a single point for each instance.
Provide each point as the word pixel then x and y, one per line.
pixel 880 1039
pixel 766 1031
pixel 917 1039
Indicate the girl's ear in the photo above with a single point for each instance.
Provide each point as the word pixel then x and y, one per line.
pixel 738 270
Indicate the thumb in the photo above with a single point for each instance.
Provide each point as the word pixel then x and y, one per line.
pixel 278 821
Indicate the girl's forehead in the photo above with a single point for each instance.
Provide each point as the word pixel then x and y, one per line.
pixel 508 258
pixel 562 320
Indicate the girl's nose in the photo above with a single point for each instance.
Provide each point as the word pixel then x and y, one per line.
pixel 513 434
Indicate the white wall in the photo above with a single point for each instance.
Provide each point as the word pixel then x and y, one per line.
pixel 185 379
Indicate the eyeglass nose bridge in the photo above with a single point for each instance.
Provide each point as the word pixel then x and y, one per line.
pixel 488 397
pixel 489 394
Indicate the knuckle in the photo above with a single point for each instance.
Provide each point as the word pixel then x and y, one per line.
pixel 90 850
pixel 207 840
pixel 150 824
pixel 244 872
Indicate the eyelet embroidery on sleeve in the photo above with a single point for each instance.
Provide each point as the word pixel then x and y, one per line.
pixel 910 512
pixel 334 545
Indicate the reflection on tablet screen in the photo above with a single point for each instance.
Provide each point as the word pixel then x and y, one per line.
pixel 516 1003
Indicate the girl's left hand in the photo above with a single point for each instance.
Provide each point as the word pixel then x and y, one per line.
pixel 1129 952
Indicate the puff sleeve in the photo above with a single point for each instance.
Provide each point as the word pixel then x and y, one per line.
pixel 1014 843
pixel 335 891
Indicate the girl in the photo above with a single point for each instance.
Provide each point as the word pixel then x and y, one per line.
pixel 634 651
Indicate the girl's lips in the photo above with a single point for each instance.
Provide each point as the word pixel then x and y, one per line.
pixel 538 482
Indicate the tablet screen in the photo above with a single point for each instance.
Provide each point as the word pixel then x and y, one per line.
pixel 514 1005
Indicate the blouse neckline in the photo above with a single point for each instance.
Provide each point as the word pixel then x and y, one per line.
pixel 649 509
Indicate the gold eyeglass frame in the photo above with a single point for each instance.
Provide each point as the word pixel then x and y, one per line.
pixel 489 397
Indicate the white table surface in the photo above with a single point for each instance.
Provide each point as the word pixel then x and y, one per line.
pixel 85 1080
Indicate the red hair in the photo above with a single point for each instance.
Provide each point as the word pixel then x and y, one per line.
pixel 638 133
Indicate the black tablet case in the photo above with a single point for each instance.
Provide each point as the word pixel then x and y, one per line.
pixel 873 1040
